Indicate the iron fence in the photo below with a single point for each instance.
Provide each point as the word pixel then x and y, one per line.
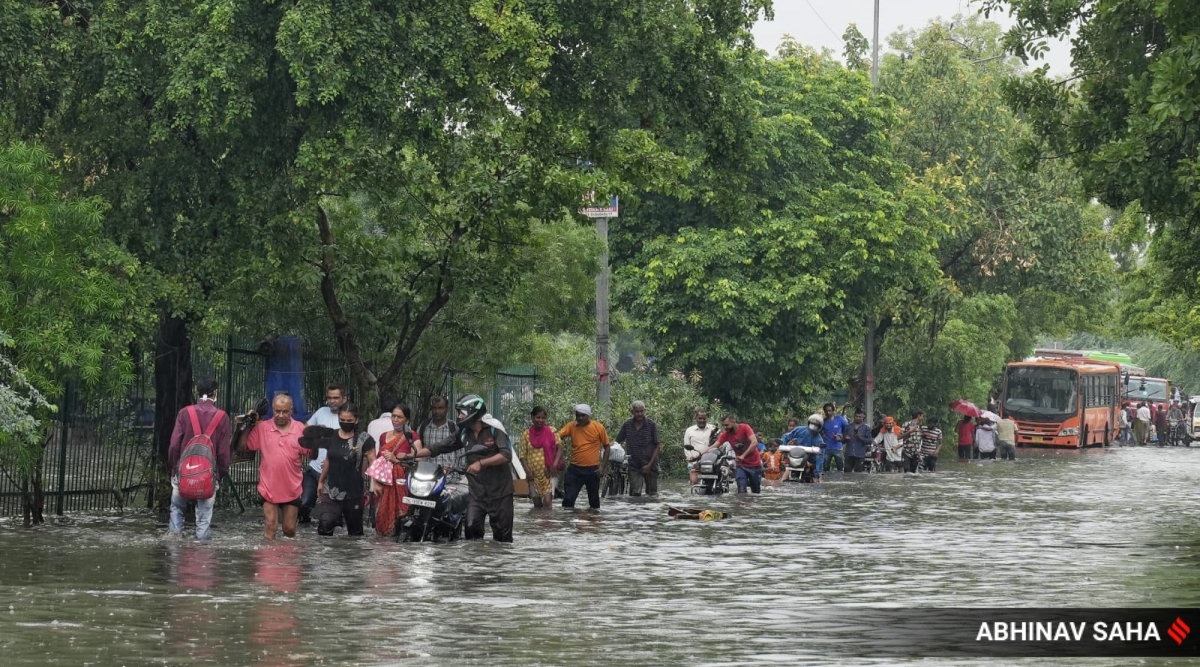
pixel 101 453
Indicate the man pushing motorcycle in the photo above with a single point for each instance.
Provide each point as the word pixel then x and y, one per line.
pixel 489 480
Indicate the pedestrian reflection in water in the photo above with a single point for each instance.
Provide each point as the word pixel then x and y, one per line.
pixel 194 620
pixel 275 631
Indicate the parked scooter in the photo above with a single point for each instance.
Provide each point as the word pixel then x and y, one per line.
pixel 437 508
pixel 801 463
pixel 714 470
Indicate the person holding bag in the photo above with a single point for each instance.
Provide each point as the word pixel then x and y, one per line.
pixel 388 474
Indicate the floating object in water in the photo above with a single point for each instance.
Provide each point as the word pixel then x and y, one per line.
pixel 696 514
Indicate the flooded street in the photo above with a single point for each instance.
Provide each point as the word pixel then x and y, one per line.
pixel 625 586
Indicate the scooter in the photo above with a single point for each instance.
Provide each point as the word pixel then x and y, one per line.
pixel 801 463
pixel 437 510
pixel 714 471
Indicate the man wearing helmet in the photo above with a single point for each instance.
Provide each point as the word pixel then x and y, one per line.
pixel 488 456
pixel 809 435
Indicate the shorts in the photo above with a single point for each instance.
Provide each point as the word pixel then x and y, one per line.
pixel 295 502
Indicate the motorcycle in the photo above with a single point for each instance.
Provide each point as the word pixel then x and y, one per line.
pixel 715 471
pixel 437 509
pixel 1178 434
pixel 618 472
pixel 801 463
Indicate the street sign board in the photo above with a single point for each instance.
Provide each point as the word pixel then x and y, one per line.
pixel 609 211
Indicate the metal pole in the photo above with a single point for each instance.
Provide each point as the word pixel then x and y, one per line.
pixel 602 390
pixel 869 351
pixel 228 388
pixel 65 421
pixel 875 52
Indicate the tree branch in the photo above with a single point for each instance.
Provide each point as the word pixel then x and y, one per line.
pixel 442 292
pixel 343 330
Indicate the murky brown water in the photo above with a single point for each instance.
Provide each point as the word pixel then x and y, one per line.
pixel 625 586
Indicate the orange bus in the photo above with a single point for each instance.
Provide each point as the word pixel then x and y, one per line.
pixel 1062 402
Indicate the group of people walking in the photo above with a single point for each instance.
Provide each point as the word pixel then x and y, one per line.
pixel 355 472
pixel 987 437
pixel 1145 422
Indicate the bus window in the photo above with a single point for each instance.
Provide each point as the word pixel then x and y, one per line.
pixel 1034 392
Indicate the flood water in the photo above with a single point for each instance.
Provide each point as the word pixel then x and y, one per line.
pixel 624 586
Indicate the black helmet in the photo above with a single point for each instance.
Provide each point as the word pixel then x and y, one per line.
pixel 474 406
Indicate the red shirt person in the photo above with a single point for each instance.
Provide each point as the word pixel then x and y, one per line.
pixel 743 441
pixel 966 436
pixel 280 478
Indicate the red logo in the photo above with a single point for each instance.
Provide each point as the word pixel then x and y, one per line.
pixel 1178 630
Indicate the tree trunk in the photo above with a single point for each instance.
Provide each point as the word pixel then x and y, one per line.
pixel 172 380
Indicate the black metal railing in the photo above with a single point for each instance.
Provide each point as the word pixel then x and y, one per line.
pixel 101 455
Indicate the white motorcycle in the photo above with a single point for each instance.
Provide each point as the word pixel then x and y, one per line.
pixel 801 463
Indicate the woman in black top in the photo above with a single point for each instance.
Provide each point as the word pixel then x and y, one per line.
pixel 341 488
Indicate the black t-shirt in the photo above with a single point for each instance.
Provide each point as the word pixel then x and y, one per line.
pixel 345 460
pixel 491 482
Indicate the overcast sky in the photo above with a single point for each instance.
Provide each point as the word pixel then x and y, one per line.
pixel 806 21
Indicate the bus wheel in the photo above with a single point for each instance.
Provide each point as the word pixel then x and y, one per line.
pixel 1083 437
pixel 1107 440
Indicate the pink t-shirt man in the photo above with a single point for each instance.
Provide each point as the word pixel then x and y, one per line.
pixel 280 472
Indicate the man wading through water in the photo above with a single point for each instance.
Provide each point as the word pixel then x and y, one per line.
pixel 640 436
pixel 588 464
pixel 279 477
pixel 489 478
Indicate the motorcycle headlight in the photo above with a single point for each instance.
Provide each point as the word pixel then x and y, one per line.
pixel 420 487
pixel 1068 431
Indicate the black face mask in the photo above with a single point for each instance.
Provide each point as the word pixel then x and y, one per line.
pixel 347 426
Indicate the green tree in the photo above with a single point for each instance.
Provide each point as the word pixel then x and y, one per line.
pixel 383 161
pixel 1029 235
pixel 855 48
pixel 73 299
pixel 962 360
pixel 760 298
pixel 1126 120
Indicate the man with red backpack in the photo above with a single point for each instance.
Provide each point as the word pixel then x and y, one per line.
pixel 198 458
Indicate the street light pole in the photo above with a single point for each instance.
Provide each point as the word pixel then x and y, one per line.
pixel 869 348
pixel 602 387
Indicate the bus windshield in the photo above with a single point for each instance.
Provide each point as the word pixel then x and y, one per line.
pixel 1044 392
pixel 1140 389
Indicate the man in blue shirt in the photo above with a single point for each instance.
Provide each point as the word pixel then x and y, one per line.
pixel 809 435
pixel 834 431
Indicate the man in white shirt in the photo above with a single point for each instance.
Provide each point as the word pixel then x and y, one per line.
pixel 985 439
pixel 1125 437
pixel 335 398
pixel 698 436
pixel 383 424
pixel 1142 428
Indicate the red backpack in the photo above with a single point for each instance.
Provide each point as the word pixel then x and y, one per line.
pixel 198 462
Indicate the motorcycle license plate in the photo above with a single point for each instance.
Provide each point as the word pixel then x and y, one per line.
pixel 408 500
pixel 710 476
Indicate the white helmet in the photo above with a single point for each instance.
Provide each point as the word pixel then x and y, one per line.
pixel 817 419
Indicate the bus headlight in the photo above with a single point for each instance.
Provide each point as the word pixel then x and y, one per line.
pixel 1068 431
